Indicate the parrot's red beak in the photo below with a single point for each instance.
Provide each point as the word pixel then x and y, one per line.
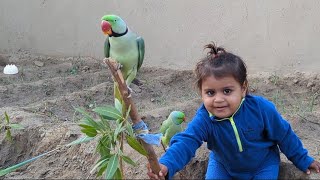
pixel 184 119
pixel 106 27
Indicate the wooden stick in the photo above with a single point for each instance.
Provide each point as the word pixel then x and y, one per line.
pixel 134 115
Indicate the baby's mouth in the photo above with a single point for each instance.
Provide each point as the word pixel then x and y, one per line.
pixel 220 107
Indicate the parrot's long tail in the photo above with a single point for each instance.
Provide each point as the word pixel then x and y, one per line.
pixel 165 150
pixel 164 147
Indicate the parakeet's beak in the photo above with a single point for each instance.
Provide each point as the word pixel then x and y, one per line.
pixel 106 27
pixel 184 119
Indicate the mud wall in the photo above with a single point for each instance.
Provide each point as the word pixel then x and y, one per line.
pixel 269 35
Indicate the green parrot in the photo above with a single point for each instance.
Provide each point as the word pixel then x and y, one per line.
pixel 171 126
pixel 124 46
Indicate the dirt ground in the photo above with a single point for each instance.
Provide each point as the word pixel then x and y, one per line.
pixel 43 95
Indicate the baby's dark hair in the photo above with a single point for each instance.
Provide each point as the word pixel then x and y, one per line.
pixel 219 63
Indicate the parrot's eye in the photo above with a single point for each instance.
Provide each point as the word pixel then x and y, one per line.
pixel 115 20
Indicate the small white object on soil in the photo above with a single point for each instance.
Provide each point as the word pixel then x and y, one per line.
pixel 10 69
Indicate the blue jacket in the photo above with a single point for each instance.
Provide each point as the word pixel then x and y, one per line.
pixel 245 142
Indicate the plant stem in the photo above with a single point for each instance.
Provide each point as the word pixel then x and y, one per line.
pixel 121 164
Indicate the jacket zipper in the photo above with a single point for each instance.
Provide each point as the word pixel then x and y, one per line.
pixel 235 130
pixel 234 127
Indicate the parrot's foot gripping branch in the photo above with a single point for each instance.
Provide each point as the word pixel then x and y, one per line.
pixel 142 132
pixel 119 66
pixel 129 92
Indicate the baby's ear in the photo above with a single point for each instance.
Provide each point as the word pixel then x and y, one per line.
pixel 245 88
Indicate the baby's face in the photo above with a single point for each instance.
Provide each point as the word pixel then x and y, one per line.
pixel 222 96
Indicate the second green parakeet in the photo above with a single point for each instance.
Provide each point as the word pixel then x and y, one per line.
pixel 171 126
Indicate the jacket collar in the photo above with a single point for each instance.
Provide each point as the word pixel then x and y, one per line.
pixel 214 118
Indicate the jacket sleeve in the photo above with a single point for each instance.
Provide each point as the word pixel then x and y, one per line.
pixel 280 131
pixel 183 146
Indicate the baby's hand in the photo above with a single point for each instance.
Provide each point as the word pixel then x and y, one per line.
pixel 163 172
pixel 315 165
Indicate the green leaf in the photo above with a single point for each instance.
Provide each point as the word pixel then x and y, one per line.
pixel 118 105
pixel 98 164
pixel 129 129
pixel 8 135
pixel 83 112
pixel 135 144
pixel 128 160
pixel 112 166
pixel 17 166
pixel 128 112
pixel 118 174
pixel 91 132
pixel 103 168
pixel 104 126
pixel 85 126
pixel 108 112
pixel 103 165
pixel 105 122
pixel 16 126
pixel 103 146
pixel 80 140
pixel 6 117
pixel 91 122
pixel 118 130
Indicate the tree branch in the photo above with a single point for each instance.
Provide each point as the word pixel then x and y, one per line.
pixel 135 117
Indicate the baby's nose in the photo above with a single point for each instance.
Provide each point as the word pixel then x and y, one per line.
pixel 219 98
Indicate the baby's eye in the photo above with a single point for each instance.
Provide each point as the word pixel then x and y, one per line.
pixel 227 91
pixel 210 93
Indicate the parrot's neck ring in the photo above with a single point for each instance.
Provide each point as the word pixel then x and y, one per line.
pixel 114 34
